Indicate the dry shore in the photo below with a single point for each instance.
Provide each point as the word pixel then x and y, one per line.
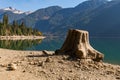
pixel 20 37
pixel 36 65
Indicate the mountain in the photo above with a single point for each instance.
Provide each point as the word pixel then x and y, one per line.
pixel 107 20
pixel 99 17
pixel 65 19
pixel 13 13
pixel 41 14
pixel 13 10
pixel 103 21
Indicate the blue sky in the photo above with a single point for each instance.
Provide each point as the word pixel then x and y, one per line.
pixel 32 5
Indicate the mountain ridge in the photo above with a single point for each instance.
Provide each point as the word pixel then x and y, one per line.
pixel 99 17
pixel 13 13
pixel 66 18
pixel 102 21
pixel 40 14
pixel 16 11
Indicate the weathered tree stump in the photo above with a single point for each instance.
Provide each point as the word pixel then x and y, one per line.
pixel 77 44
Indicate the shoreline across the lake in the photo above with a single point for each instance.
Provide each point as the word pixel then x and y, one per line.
pixel 20 37
pixel 43 65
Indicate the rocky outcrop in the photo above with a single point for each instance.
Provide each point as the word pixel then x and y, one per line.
pixel 77 44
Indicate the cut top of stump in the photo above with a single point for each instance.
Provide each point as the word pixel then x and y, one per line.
pixel 81 31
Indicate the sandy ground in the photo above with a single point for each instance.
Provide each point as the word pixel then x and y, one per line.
pixel 36 65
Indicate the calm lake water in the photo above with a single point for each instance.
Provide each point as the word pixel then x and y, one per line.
pixel 109 46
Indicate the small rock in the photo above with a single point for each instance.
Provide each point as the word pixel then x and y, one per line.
pixel 90 65
pixel 45 52
pixel 48 60
pixel 41 63
pixel 65 57
pixel 31 52
pixel 110 72
pixel 51 70
pixel 83 61
pixel 95 67
pixel 61 61
pixel 0 57
pixel 11 66
pixel 43 72
pixel 54 73
pixel 61 78
pixel 76 65
pixel 117 73
pixel 118 77
pixel 23 71
pixel 70 71
pixel 85 68
pixel 24 59
pixel 30 72
pixel 31 63
pixel 3 65
pixel 100 65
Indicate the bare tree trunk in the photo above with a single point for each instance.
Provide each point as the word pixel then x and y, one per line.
pixel 77 44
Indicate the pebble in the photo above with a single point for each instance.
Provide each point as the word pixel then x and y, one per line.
pixel 61 61
pixel 96 67
pixel 31 53
pixel 23 71
pixel 118 77
pixel 110 72
pixel 3 65
pixel 61 78
pixel 30 72
pixel 45 52
pixel 11 66
pixel 85 68
pixel 70 71
pixel 31 63
pixel 76 65
pixel 43 72
pixel 48 60
pixel 41 63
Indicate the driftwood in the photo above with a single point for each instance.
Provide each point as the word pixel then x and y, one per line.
pixel 77 44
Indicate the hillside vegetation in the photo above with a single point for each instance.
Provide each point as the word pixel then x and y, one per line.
pixel 7 29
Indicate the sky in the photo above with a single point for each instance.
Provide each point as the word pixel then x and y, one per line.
pixel 32 5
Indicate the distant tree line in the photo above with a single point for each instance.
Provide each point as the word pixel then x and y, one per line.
pixel 7 29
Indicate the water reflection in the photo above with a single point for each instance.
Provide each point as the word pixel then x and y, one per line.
pixel 109 46
pixel 49 43
pixel 19 44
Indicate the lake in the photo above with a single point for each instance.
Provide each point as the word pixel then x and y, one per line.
pixel 109 46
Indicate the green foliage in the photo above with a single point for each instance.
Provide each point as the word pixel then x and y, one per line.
pixel 16 29
pixel 18 44
pixel 5 20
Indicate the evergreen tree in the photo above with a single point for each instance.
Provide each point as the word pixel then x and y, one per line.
pixel 23 28
pixel 15 24
pixel 16 29
pixel 5 20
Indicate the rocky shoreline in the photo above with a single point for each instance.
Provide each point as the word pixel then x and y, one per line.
pixel 20 37
pixel 44 65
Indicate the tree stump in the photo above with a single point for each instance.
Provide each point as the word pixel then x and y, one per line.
pixel 77 44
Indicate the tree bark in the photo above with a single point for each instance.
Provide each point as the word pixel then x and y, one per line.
pixel 77 44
